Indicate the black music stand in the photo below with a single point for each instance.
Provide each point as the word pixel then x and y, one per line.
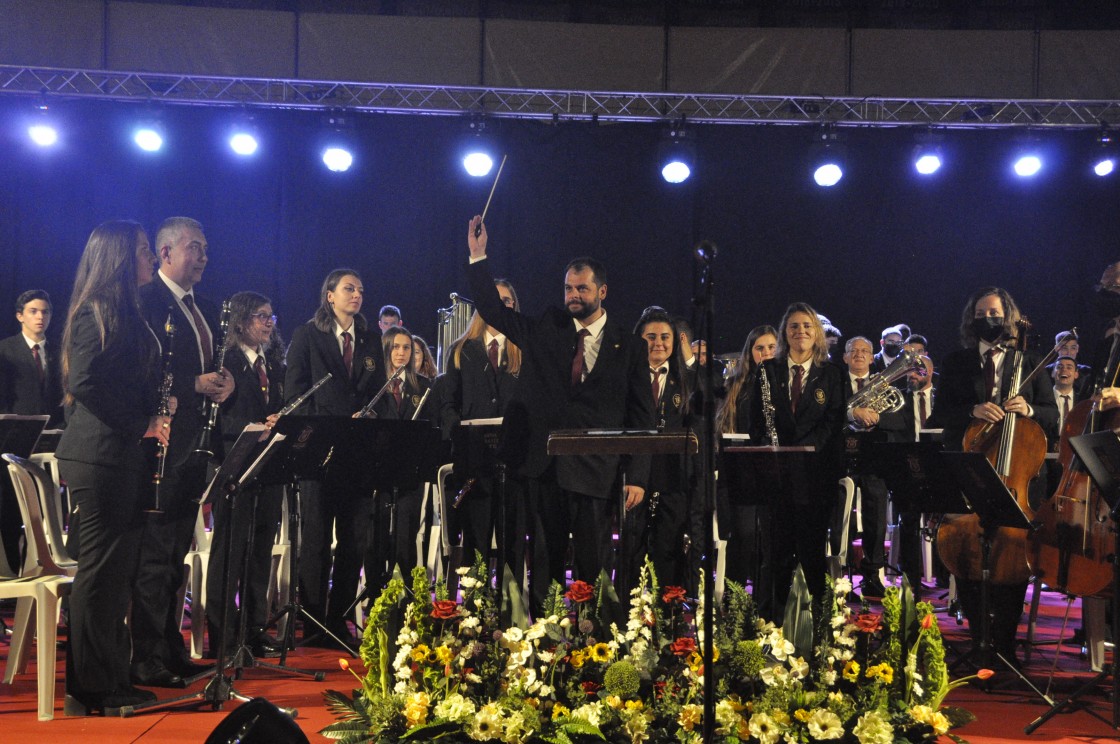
pixel 476 453
pixel 1100 453
pixel 385 457
pixel 242 466
pixel 19 434
pixel 986 496
pixel 763 469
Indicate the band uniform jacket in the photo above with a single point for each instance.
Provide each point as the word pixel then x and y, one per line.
pixel 386 408
pixel 962 388
pixel 474 389
pixel 116 391
pixel 616 394
pixel 670 472
pixel 156 302
pixel 313 353
pixel 820 418
pixel 21 392
pixel 247 405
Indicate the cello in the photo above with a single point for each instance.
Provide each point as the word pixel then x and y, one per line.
pixel 1071 548
pixel 1016 448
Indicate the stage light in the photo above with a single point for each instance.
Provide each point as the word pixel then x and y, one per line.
pixel 337 159
pixel 148 138
pixel 43 135
pixel 243 143
pixel 1105 153
pixel 677 154
pixel 478 148
pixel 927 156
pixel 1027 165
pixel 1105 166
pixel 827 158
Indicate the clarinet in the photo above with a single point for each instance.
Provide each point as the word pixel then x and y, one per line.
pixel 203 449
pixel 768 408
pixel 164 407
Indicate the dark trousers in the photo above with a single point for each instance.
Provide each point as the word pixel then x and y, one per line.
pixel 478 517
pixel 873 513
pixel 556 513
pixel 675 540
pixel 1006 609
pixel 156 637
pixel 109 501
pixel 393 542
pixel 748 541
pixel 910 547
pixel 799 518
pixel 232 538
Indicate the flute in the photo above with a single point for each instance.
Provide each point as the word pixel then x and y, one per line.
pixel 303 398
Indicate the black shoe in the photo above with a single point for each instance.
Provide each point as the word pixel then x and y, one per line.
pixel 262 644
pixel 84 704
pixel 186 668
pixel 157 677
pixel 872 587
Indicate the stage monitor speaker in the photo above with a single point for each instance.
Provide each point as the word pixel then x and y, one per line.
pixel 257 722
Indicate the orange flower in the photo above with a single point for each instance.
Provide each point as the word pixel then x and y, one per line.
pixel 929 621
pixel 344 665
pixel 868 623
pixel 580 591
pixel 984 674
pixel 683 646
pixel 444 609
pixel 673 594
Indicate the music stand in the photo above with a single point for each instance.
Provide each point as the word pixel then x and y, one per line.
pixel 623 442
pixel 476 453
pixel 386 456
pixel 746 468
pixel 241 466
pixel 19 434
pixel 1100 453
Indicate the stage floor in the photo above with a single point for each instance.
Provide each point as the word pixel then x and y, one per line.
pixel 1001 713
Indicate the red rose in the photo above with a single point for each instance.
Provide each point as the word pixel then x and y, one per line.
pixel 590 688
pixel 444 609
pixel 868 623
pixel 673 594
pixel 580 591
pixel 683 646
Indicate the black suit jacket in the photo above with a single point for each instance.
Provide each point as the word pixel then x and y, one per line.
pixel 156 302
pixel 820 418
pixel 386 408
pixel 247 405
pixel 671 472
pixel 20 389
pixel 474 389
pixel 115 389
pixel 962 388
pixel 615 394
pixel 313 353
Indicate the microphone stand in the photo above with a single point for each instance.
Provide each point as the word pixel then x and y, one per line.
pixel 704 311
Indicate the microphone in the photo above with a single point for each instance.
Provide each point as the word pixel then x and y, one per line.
pixel 705 251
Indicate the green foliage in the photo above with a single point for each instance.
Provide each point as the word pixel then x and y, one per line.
pixel 621 678
pixel 798 624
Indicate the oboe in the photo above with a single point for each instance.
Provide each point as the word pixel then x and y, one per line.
pixel 203 449
pixel 286 410
pixel 164 407
pixel 768 409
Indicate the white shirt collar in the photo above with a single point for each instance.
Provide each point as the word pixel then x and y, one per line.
pixel 339 330
pixel 250 353
pixel 488 337
pixel 31 343
pixel 176 290
pixel 596 328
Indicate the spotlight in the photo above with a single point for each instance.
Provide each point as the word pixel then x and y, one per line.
pixel 677 154
pixel 827 158
pixel 42 130
pixel 478 149
pixel 1105 154
pixel 1027 165
pixel 337 159
pixel 243 143
pixel 148 138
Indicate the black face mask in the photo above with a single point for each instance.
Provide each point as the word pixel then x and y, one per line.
pixel 1106 303
pixel 988 329
pixel 892 350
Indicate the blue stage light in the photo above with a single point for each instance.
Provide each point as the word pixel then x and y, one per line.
pixel 1027 165
pixel 478 163
pixel 43 135
pixel 928 164
pixel 1105 166
pixel 243 143
pixel 676 171
pixel 337 159
pixel 148 139
pixel 828 174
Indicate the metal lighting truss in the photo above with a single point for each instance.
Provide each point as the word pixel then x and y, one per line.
pixel 520 103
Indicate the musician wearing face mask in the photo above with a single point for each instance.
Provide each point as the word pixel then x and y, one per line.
pixel 975 386
pixel 890 346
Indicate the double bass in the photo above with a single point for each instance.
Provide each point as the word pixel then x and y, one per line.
pixel 1071 547
pixel 1016 448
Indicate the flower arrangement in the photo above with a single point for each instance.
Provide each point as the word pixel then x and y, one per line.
pixel 441 669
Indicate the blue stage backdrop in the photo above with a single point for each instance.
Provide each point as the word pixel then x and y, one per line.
pixel 881 247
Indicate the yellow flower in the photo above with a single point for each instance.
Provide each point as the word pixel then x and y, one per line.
pixel 801 714
pixel 601 653
pixel 577 659
pixel 419 653
pixel 691 716
pixel 926 714
pixel 614 701
pixel 416 709
pixel 780 716
pixel 444 654
pixel 882 671
pixel 634 705
pixel 559 711
pixel 851 671
pixel 695 661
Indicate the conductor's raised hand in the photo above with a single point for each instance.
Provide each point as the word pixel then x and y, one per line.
pixel 476 237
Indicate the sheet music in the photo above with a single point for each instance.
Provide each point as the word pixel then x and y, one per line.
pixel 241 449
pixel 251 471
pixel 736 437
pixel 482 422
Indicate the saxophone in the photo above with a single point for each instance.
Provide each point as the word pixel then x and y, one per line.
pixel 164 407
pixel 768 408
pixel 203 449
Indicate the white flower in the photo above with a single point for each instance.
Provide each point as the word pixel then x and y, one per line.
pixel 455 708
pixel 592 713
pixel 546 656
pixel 565 623
pixel 487 724
pixel 838 621
pixel 824 724
pixel 473 678
pixel 535 632
pixel 828 677
pixel 842 587
pixel 470 623
pixel 798 668
pixel 782 650
pixel 775 675
pixel 513 635
pixel 469 582
pixel 463 570
pixel 871 728
pixel 764 728
pixel 726 717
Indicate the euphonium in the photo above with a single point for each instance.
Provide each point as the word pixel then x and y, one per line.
pixel 880 394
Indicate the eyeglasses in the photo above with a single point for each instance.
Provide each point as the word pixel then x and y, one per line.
pixel 264 318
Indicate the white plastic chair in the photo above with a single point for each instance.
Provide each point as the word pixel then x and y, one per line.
pixel 38 591
pixel 280 573
pixel 197 560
